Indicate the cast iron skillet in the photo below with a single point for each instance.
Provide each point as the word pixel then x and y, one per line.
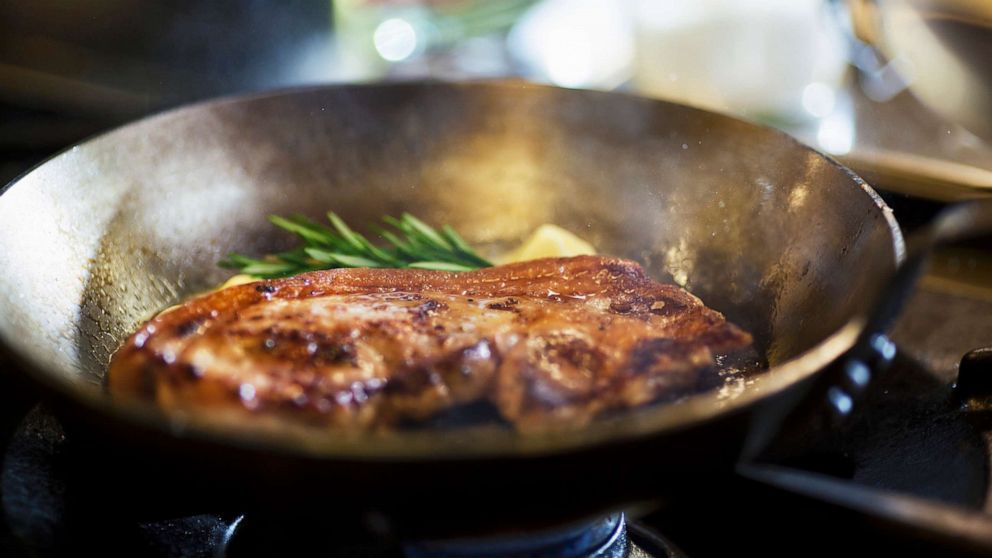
pixel 784 241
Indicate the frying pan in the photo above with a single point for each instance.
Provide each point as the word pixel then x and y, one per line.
pixel 783 240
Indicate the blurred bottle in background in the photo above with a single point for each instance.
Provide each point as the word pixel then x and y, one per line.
pixel 942 50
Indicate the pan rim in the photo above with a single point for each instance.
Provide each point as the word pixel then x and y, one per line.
pixel 643 423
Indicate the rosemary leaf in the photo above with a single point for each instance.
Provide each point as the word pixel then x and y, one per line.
pixel 308 234
pixel 350 236
pixel 341 260
pixel 426 231
pixel 462 247
pixel 413 244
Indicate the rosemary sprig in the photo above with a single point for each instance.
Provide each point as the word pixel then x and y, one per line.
pixel 412 243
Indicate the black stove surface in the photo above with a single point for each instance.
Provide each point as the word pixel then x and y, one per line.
pixel 909 473
pixel 49 511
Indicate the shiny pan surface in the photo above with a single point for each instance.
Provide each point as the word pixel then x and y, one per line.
pixel 781 239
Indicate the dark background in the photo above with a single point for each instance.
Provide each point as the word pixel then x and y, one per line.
pixel 69 69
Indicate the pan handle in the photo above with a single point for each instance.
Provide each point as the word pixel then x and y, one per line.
pixel 793 425
pixel 873 351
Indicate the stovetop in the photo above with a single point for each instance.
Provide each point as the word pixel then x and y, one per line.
pixel 909 472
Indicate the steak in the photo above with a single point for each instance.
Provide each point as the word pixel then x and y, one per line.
pixel 550 343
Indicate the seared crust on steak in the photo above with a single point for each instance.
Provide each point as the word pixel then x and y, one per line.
pixel 550 343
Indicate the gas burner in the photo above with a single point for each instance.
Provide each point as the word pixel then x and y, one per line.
pixel 607 537
pixel 603 538
pixel 47 513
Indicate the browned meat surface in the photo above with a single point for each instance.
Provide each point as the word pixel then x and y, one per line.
pixel 551 343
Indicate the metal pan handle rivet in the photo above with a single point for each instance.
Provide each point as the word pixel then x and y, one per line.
pixel 840 402
pixel 974 384
pixel 884 352
pixel 857 375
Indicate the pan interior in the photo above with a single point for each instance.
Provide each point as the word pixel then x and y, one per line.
pixel 786 243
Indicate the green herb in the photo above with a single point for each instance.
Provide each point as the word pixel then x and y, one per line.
pixel 412 243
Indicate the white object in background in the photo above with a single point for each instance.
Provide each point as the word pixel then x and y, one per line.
pixel 575 43
pixel 778 60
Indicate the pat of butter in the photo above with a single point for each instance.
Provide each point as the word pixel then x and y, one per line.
pixel 548 241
